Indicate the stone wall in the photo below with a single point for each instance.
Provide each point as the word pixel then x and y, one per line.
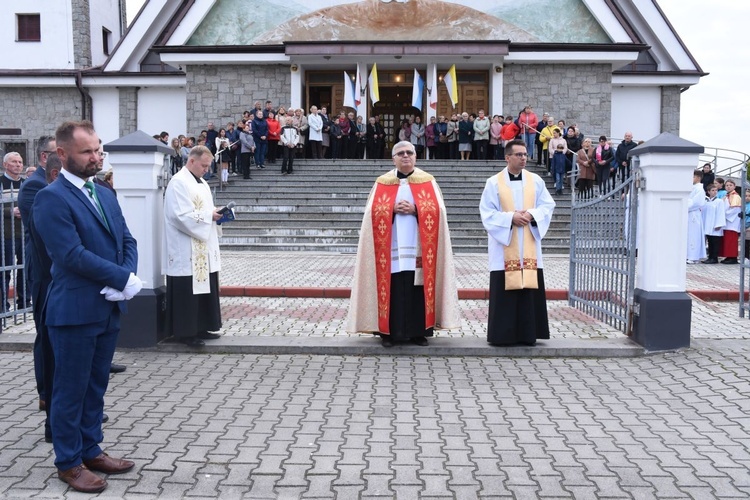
pixel 670 110
pixel 576 93
pixel 81 33
pixel 221 93
pixel 128 110
pixel 37 111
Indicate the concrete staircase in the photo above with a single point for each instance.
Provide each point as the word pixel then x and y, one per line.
pixel 320 206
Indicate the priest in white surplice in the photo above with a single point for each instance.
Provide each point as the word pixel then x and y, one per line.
pixel 191 253
pixel 696 247
pixel 516 210
pixel 404 279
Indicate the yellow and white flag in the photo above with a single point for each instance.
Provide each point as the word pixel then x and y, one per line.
pixel 372 84
pixel 451 83
pixel 433 89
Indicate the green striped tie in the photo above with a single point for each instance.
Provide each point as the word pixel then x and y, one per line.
pixel 92 189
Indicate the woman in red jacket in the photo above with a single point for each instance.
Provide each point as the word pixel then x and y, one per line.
pixel 527 122
pixel 274 134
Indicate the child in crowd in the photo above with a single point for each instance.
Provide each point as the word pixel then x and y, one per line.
pixel 696 241
pixel 733 207
pixel 557 167
pixel 720 191
pixel 713 223
pixel 747 226
pixel 509 132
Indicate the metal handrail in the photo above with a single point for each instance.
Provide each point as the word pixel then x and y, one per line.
pixel 725 162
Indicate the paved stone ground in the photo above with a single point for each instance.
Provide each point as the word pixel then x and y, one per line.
pixel 318 317
pixel 671 425
pixel 667 425
pixel 336 270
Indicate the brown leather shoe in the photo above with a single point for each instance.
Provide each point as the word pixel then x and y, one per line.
pixel 81 479
pixel 109 465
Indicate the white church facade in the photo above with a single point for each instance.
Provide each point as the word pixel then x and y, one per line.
pixel 606 65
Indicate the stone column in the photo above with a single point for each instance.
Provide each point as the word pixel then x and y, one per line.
pixel 363 96
pixel 662 308
pixel 297 82
pixel 496 91
pixel 138 163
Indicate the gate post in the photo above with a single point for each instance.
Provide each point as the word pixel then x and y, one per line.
pixel 138 164
pixel 662 308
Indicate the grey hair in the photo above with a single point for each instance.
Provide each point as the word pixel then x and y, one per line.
pixel 42 145
pixel 402 144
pixel 10 155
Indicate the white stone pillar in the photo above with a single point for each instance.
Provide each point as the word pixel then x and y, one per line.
pixel 363 106
pixel 297 82
pixel 138 166
pixel 661 305
pixel 428 80
pixel 496 90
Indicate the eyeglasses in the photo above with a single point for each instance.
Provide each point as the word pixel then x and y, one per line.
pixel 49 152
pixel 520 155
pixel 407 152
pixel 103 154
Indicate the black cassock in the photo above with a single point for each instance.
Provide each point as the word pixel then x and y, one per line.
pixel 406 320
pixel 189 314
pixel 516 316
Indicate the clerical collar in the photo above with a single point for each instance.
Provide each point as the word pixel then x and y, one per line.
pixel 197 179
pixel 515 177
pixel 401 175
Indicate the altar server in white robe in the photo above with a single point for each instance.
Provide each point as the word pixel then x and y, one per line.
pixel 714 220
pixel 191 258
pixel 516 211
pixel 696 247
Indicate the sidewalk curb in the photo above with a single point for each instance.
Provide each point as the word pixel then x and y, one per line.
pixel 463 293
pixel 369 345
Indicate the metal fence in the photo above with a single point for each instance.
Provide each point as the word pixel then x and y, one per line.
pixel 743 260
pixel 729 164
pixel 603 251
pixel 15 294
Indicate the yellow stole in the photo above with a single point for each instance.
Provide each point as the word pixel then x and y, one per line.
pixel 519 276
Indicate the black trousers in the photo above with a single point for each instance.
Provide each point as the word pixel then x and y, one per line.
pixel 245 159
pixel 714 245
pixel 481 148
pixel 287 164
pixel 316 149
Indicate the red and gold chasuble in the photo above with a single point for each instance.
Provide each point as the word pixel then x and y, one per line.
pixel 428 211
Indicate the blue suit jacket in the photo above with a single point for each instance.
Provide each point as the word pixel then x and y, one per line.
pixel 26 195
pixel 85 256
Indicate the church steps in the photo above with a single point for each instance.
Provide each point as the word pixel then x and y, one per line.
pixel 255 229
pixel 320 206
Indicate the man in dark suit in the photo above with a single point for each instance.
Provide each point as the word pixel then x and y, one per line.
pixel 94 260
pixel 38 266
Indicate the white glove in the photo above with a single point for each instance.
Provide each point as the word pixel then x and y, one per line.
pixel 133 286
pixel 111 294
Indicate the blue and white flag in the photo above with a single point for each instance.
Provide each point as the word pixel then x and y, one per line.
pixel 416 91
pixel 349 100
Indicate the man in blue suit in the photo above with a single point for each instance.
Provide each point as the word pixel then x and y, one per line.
pixel 94 260
pixel 44 150
pixel 38 267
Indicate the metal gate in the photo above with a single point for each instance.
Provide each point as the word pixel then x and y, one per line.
pixel 744 232
pixel 15 296
pixel 603 251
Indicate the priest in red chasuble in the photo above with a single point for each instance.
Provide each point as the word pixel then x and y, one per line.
pixel 404 281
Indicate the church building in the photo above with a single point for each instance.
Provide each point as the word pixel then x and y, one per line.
pixel 608 66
